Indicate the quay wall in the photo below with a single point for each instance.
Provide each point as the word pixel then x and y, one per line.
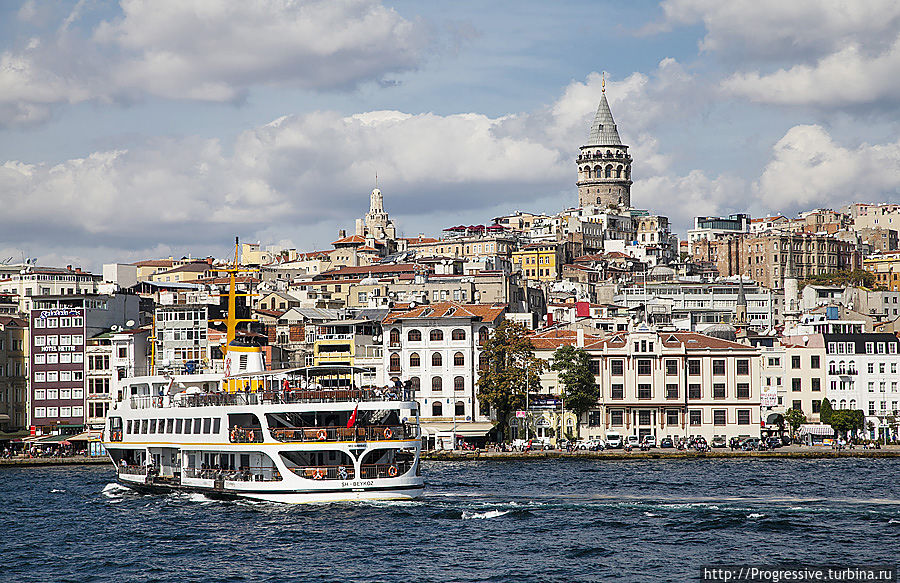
pixel 653 455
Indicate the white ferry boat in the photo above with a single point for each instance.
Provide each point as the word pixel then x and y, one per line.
pixel 295 435
pixel 278 436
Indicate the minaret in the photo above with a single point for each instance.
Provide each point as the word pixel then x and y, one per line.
pixel 604 166
pixel 740 310
pixel 790 285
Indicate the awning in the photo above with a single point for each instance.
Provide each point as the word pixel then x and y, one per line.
pixel 4 418
pixel 86 436
pixel 52 439
pixel 816 430
pixel 475 429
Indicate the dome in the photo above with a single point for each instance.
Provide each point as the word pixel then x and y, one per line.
pixel 722 332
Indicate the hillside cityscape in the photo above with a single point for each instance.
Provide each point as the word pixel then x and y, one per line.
pixel 718 333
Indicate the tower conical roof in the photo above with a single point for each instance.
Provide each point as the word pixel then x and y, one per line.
pixel 603 130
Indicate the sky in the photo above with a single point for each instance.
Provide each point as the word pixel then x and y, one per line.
pixel 137 129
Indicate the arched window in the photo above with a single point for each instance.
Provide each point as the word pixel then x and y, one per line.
pixel 437 409
pixel 458 334
pixel 414 336
pixel 618 172
pixel 608 154
pixel 483 361
pixel 598 171
pixel 414 359
pixel 853 403
pixel 395 337
pixel 460 409
pixel 436 383
pixel 609 171
pixel 436 335
pixel 459 359
pixel 395 362
pixel 843 404
pixel 414 383
pixel 436 359
pixel 459 384
pixel 587 172
pixel 482 335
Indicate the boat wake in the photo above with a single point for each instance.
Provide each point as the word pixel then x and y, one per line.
pixel 466 515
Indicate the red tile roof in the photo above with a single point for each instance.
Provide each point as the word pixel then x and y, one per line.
pixel 352 239
pixel 479 312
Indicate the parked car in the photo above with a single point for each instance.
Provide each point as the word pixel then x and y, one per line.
pixel 774 442
pixel 666 442
pixel 718 441
pixel 592 445
pixel 563 443
pixel 632 441
pixel 649 441
pixel 734 443
pixel 614 440
pixel 750 444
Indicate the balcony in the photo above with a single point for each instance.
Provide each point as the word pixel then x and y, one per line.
pixel 355 434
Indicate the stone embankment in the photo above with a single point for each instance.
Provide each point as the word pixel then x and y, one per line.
pixel 22 462
pixel 786 453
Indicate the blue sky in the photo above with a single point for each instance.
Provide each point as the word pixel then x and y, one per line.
pixel 133 129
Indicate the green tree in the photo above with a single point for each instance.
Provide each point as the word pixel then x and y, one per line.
pixel 510 371
pixel 825 412
pixel 842 421
pixel 580 391
pixel 795 418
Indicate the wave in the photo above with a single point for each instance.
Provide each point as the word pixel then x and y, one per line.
pixel 115 490
pixel 56 490
pixel 466 515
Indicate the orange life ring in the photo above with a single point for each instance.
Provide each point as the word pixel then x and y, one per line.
pixel 322 435
pixel 392 471
pixel 388 433
pixel 320 473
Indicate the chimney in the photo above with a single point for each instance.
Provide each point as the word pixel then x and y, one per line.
pixel 579 338
pixel 342 233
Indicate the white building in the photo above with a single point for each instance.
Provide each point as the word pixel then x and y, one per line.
pixel 437 348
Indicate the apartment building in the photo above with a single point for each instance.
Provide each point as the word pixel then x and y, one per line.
pixel 13 373
pixel 181 344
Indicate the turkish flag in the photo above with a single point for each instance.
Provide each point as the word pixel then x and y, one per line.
pixel 352 421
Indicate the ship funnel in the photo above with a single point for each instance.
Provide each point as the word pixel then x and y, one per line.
pixel 242 357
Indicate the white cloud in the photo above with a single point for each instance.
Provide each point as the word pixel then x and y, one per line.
pixel 191 49
pixel 808 169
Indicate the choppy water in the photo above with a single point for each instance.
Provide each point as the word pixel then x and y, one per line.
pixel 553 520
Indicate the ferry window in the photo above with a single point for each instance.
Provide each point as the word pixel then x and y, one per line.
pixel 197 422
pixel 187 425
pixel 178 425
pixel 170 424
pixel 206 424
pixel 143 426
pixel 217 424
pixel 128 427
pixel 152 426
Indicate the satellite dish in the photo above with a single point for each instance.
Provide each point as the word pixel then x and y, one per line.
pixel 115 328
pixel 129 323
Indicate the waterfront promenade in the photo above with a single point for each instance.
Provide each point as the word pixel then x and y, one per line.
pixel 22 461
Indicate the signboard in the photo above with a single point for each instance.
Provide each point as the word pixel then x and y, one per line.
pixel 768 398
pixel 520 414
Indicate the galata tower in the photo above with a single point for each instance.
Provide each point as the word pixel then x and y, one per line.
pixel 604 166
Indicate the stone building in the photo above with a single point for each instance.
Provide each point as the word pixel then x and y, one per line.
pixel 604 165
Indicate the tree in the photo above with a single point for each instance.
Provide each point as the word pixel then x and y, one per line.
pixel 842 421
pixel 825 412
pixel 511 370
pixel 795 418
pixel 580 391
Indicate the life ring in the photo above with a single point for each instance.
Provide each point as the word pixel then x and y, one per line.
pixel 342 473
pixel 322 435
pixel 320 473
pixel 157 401
pixel 392 471
pixel 388 433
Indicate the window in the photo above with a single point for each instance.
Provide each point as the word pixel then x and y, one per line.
pixel 718 367
pixel 414 336
pixel 795 361
pixel 743 366
pixel 436 359
pixel 483 361
pixel 693 391
pixel 459 384
pixel 718 390
pixel 743 390
pixel 595 419
pixel 395 362
pixel 617 418
pixel 671 416
pixel 644 367
pixel 671 391
pixel 482 335
pixel 814 361
pixel 436 383
pixel 436 335
pixel 644 417
pixel 437 409
pixel 694 367
pixel 671 367
pixel 618 391
pixel 743 416
pixel 644 391
pixel 696 417
pixel 816 384
pixel 796 405
pixel 395 337
pixel 796 385
pixel 720 416
pixel 414 360
pixel 458 334
pixel 459 359
pixel 816 405
pixel 617 367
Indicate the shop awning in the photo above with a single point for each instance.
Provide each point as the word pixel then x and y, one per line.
pixel 816 430
pixel 86 436
pixel 52 439
pixel 476 429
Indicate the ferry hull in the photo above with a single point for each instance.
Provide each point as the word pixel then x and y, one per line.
pixel 386 493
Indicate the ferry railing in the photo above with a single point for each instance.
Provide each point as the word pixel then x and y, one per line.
pixel 359 434
pixel 134 470
pixel 346 472
pixel 245 435
pixel 273 397
pixel 249 474
pixel 372 471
